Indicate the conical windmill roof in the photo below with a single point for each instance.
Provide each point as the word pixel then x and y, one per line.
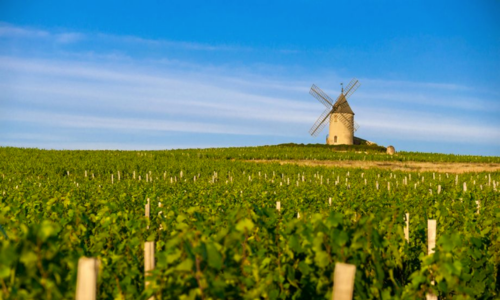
pixel 344 106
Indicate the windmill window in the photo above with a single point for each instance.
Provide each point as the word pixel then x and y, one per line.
pixel 335 119
pixel 335 139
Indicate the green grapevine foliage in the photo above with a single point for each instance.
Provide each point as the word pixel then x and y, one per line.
pixel 219 235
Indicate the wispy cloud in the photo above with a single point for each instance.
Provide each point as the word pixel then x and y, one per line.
pixel 17 32
pixel 7 30
pixel 168 43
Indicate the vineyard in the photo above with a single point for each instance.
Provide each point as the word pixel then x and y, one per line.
pixel 225 227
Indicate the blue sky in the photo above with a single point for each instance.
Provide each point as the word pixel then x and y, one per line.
pixel 189 74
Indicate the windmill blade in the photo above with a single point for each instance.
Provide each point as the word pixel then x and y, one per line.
pixel 353 88
pixel 348 87
pixel 356 126
pixel 320 123
pixel 322 97
pixel 345 121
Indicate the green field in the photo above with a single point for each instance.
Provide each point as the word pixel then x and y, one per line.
pixel 219 235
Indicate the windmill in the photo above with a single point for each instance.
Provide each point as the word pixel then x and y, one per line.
pixel 339 113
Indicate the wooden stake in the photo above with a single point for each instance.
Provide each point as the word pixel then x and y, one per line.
pixel 431 236
pixel 278 206
pixel 330 201
pixel 407 228
pixel 343 281
pixel 149 261
pixel 431 244
pixel 147 208
pixel 86 283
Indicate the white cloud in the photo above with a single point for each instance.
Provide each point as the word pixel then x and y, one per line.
pixel 11 31
pixel 409 125
pixel 69 37
pixel 7 30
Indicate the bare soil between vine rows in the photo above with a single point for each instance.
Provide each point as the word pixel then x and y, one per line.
pixel 441 167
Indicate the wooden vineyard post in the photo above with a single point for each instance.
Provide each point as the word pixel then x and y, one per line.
pixel 146 213
pixel 343 281
pixel 149 262
pixel 407 228
pixel 478 205
pixel 86 282
pixel 111 178
pixel 431 236
pixel 431 244
pixel 159 213
pixel 278 206
pixel 330 201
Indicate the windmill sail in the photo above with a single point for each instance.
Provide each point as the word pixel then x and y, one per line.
pixel 351 83
pixel 322 97
pixel 352 89
pixel 320 123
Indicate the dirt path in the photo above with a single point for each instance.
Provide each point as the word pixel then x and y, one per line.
pixel 441 167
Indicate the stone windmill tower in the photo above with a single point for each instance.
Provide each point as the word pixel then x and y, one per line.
pixel 339 113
